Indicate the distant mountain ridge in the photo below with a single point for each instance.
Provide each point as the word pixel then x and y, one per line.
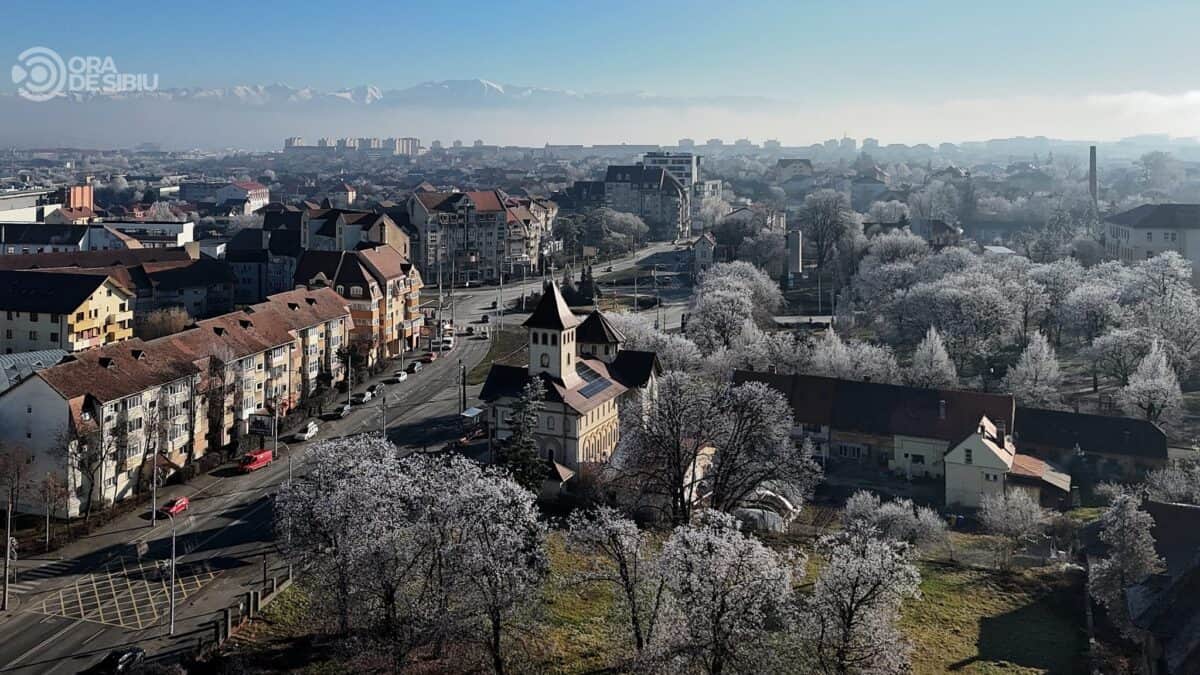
pixel 440 93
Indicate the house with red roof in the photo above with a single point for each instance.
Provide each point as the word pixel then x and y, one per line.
pixel 254 194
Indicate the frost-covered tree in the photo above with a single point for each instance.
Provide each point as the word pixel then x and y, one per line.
pixel 519 452
pixel 896 520
pixel 675 352
pixel 1015 518
pixel 1177 482
pixel 970 310
pixel 712 211
pixel 620 555
pixel 780 351
pixel 728 592
pixel 892 211
pixel 415 551
pixel 849 624
pixel 1035 379
pixel 1129 557
pixel 1153 390
pixel 1090 309
pixel 1058 279
pixel 705 436
pixel 853 360
pixel 1117 353
pixel 744 278
pixel 931 366
pixel 719 318
pixel 1166 274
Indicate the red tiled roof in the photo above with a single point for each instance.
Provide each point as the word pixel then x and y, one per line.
pixel 248 185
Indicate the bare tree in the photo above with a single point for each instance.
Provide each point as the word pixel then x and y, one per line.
pixel 825 217
pixel 160 322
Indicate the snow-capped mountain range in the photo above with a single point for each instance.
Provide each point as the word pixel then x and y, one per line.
pixel 449 93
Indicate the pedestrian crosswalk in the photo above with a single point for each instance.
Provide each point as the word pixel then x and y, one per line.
pixel 26 579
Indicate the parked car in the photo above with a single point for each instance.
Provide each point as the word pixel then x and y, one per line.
pixel 307 432
pixel 486 318
pixel 608 269
pixel 430 357
pixel 400 375
pixel 176 506
pixel 121 660
pixel 256 459
pixel 448 343
pixel 340 411
pixel 374 389
pixel 414 367
pixel 360 398
pixel 470 330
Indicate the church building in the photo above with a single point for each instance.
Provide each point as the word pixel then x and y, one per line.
pixel 589 380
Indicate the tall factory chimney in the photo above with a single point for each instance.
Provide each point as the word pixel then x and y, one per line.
pixel 1093 186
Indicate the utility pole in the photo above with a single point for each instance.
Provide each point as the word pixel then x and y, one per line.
pixel 153 493
pixel 7 549
pixel 383 414
pixel 349 376
pixel 47 512
pixel 462 378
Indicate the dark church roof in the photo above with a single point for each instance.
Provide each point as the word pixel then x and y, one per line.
pixel 596 329
pixel 552 312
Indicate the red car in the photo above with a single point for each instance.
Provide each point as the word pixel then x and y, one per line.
pixel 257 459
pixel 176 506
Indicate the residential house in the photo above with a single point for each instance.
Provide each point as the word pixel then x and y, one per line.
pixel 62 310
pixel 986 464
pixel 586 383
pixel 703 254
pixel 474 237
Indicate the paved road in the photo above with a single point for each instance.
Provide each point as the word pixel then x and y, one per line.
pixel 72 610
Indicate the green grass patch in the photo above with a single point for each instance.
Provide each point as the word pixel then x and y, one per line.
pixel 976 621
pixel 509 347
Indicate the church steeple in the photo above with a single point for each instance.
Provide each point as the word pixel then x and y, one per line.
pixel 551 329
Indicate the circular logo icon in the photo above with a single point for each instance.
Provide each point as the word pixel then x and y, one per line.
pixel 39 74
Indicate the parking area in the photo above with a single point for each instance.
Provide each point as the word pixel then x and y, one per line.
pixel 127 593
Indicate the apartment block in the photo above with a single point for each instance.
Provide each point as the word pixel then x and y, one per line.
pixel 62 310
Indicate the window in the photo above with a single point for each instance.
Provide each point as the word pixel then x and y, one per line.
pixel 991 477
pixel 53 318
pixel 967 455
pixel 553 340
pixel 356 291
pixel 54 337
pixel 33 335
pixel 1149 236
pixel 550 422
pixel 8 334
pixel 122 307
pixel 33 316
pixel 78 316
pixel 10 316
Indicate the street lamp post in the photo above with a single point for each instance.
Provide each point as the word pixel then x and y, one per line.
pixel 171 630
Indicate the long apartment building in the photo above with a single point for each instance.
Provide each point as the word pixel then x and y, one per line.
pixel 100 418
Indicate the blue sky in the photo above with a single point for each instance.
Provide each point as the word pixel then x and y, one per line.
pixel 909 71
pixel 840 51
